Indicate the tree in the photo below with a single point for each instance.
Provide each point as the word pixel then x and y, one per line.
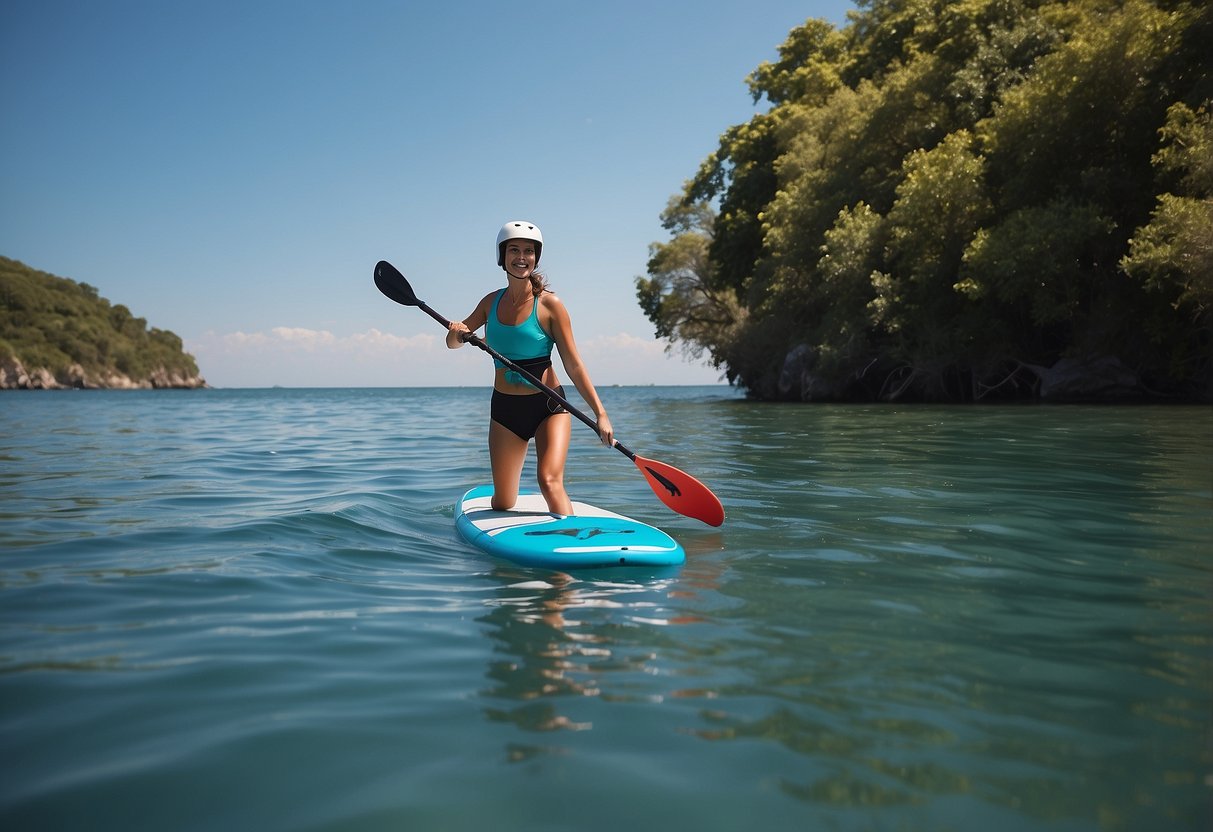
pixel 948 190
pixel 1173 253
pixel 689 307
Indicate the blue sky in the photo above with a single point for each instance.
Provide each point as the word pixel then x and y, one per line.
pixel 232 171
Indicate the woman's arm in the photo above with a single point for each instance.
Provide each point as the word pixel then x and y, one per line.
pixel 473 322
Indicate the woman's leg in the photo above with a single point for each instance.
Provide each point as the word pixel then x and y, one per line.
pixel 552 448
pixel 507 453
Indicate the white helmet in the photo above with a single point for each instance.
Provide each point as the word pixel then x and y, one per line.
pixel 518 230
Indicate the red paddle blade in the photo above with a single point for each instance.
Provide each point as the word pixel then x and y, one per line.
pixel 681 492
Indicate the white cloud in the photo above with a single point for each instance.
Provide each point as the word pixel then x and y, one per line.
pixel 309 339
pixel 288 339
pixel 627 359
pixel 302 357
pixel 626 343
pixel 373 340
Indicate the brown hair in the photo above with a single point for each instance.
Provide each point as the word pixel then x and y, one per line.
pixel 539 284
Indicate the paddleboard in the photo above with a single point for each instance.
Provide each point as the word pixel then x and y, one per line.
pixel 531 535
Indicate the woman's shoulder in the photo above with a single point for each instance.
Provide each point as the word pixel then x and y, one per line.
pixel 554 315
pixel 549 300
pixel 483 307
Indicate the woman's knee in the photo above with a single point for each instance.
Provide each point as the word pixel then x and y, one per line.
pixel 550 480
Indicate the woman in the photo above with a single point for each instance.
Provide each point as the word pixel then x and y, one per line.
pixel 523 322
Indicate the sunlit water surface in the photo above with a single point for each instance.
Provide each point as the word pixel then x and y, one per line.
pixel 234 609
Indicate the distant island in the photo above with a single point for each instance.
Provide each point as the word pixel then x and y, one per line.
pixel 59 333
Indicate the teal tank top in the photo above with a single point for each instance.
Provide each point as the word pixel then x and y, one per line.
pixel 523 343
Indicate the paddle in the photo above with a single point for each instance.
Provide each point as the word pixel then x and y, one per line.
pixel 677 489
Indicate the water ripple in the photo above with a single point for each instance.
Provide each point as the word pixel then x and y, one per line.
pixel 910 617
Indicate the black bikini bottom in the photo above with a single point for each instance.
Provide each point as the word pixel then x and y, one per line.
pixel 523 414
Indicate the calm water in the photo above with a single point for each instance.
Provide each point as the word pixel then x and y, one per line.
pixel 248 610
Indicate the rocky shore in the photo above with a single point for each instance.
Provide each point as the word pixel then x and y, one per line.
pixel 1101 379
pixel 15 376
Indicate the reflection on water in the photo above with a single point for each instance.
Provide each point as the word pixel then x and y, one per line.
pixel 559 637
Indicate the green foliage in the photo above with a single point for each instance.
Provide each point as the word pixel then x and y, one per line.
pixel 808 69
pixel 954 190
pixel 52 322
pixel 1173 254
pixel 1037 259
pixel 746 161
pixel 1082 124
pixel 680 294
pixel 941 203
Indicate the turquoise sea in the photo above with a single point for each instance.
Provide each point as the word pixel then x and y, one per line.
pixel 249 610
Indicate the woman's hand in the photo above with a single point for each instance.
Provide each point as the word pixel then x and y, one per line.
pixel 457 334
pixel 605 432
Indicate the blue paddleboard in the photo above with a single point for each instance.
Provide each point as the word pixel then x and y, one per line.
pixel 530 535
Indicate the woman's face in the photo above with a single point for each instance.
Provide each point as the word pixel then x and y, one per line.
pixel 520 258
